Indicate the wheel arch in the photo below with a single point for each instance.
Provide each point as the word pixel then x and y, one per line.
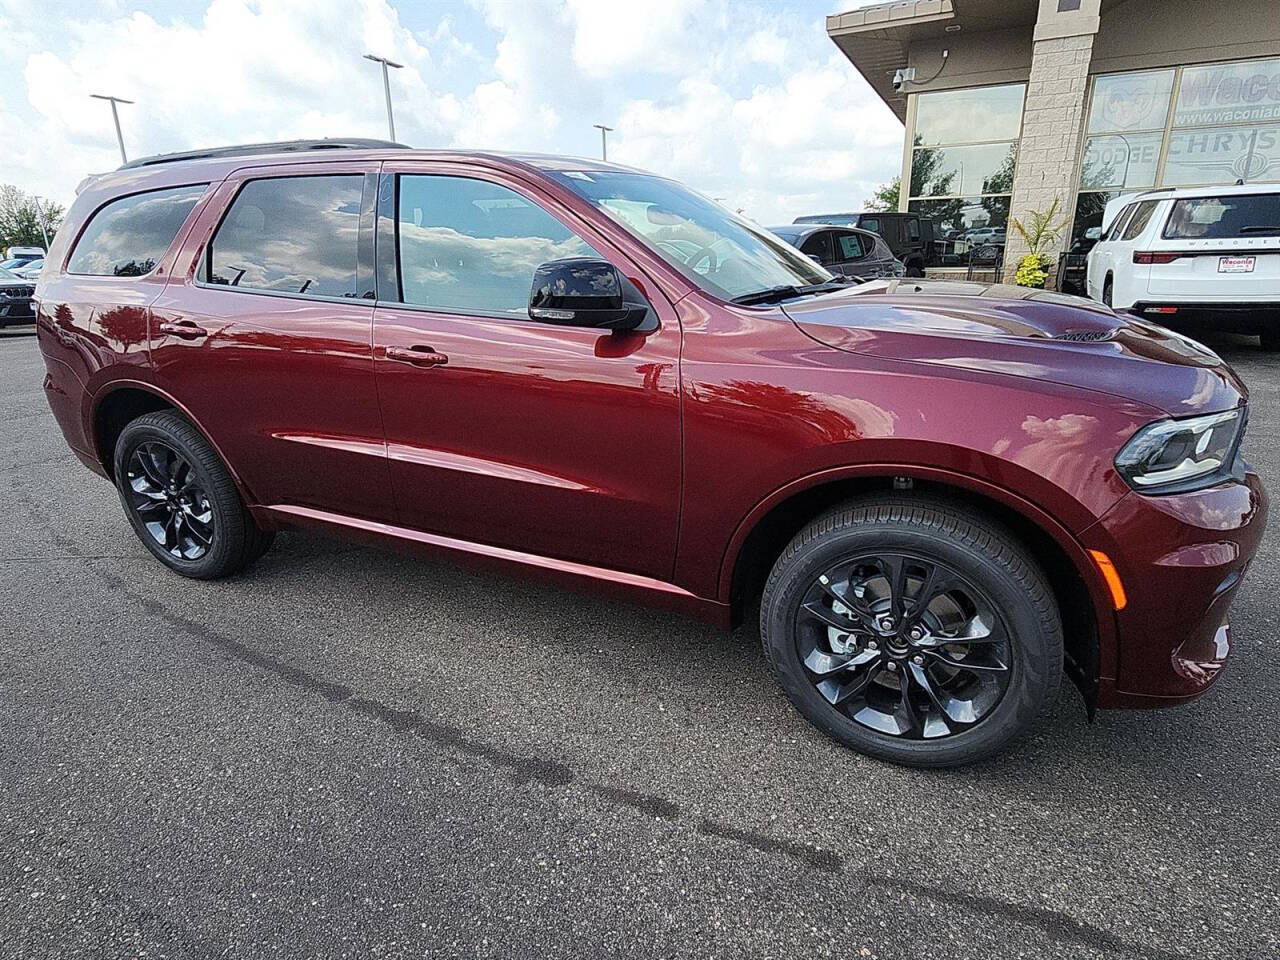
pixel 121 401
pixel 1079 591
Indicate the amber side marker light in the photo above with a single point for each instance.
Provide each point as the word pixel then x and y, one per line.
pixel 1108 571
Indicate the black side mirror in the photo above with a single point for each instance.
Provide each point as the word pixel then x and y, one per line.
pixel 582 292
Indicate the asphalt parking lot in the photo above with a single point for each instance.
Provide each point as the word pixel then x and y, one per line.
pixel 349 753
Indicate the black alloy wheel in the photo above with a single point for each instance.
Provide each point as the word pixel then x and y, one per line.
pixel 914 630
pixel 903 645
pixel 181 500
pixel 166 494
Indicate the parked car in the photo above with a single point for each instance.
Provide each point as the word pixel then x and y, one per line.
pixel 942 498
pixel 910 237
pixel 846 251
pixel 18 255
pixel 30 270
pixel 15 300
pixel 1208 256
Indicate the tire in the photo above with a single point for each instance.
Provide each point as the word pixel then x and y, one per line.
pixel 914 269
pixel 181 501
pixel 1010 676
pixel 1107 292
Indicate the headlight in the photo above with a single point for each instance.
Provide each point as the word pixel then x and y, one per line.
pixel 1174 456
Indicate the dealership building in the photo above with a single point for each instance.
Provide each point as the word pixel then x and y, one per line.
pixel 1009 104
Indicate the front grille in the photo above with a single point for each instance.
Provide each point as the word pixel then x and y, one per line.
pixel 1084 336
pixel 18 293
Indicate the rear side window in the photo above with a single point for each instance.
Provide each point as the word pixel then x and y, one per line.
pixel 1141 217
pixel 1118 224
pixel 127 237
pixel 291 235
pixel 849 247
pixel 913 228
pixel 870 223
pixel 1225 218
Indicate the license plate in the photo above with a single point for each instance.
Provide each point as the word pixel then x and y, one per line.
pixel 1236 264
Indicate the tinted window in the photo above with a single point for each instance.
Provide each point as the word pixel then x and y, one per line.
pixel 128 236
pixel 870 223
pixel 472 247
pixel 849 247
pixel 291 235
pixel 819 245
pixel 913 228
pixel 1122 218
pixel 1141 217
pixel 1225 218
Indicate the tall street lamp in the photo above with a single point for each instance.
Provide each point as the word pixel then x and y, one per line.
pixel 604 132
pixel 386 87
pixel 116 117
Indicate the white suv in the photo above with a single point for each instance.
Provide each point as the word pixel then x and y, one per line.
pixel 1209 254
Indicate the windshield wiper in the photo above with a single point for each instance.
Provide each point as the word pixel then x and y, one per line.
pixel 788 292
pixel 1261 228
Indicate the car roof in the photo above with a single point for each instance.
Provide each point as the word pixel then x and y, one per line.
pixel 1181 193
pixel 802 231
pixel 193 166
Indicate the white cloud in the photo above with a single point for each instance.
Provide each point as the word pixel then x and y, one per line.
pixel 748 102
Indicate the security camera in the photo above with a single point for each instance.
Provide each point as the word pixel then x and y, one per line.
pixel 903 77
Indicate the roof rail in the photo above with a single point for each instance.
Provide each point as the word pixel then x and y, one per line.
pixel 252 149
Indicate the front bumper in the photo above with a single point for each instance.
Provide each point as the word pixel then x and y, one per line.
pixel 1181 559
pixel 14 311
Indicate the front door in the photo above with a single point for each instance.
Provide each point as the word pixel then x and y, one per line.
pixel 558 441
pixel 266 339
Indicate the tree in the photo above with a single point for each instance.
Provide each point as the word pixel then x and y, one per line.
pixel 22 215
pixel 885 199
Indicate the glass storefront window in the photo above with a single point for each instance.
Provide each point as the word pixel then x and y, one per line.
pixel 963 170
pixel 961 223
pixel 970 115
pixel 1212 155
pixel 1120 160
pixel 1130 101
pixel 1228 93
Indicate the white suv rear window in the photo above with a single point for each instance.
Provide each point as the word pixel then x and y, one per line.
pixel 1225 217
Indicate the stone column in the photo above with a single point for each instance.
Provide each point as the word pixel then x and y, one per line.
pixel 1053 118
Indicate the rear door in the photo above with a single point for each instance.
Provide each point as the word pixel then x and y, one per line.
pixel 1219 248
pixel 266 338
pixel 852 254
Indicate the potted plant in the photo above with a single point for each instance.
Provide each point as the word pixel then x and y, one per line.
pixel 1040 234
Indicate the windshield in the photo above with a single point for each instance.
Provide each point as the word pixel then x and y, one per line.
pixel 719 251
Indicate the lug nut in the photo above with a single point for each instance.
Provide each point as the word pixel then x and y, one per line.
pixel 872 645
pixel 917 633
pixel 893 667
pixel 918 660
pixel 887 623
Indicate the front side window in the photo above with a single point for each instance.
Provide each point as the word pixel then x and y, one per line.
pixel 1141 217
pixel 294 235
pixel 1122 218
pixel 819 245
pixel 1225 217
pixel 469 246
pixel 127 237
pixel 719 251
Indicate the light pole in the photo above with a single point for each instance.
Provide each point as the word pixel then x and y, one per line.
pixel 604 146
pixel 116 117
pixel 386 87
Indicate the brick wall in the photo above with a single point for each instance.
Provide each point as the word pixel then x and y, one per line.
pixel 1051 130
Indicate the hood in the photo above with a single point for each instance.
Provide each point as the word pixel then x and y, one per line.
pixel 1037 334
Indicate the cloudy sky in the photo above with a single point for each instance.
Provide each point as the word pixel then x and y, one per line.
pixel 746 101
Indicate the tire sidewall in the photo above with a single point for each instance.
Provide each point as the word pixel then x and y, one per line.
pixel 1031 683
pixel 225 518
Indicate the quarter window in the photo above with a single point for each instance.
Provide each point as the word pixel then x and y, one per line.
pixel 291 235
pixel 469 246
pixel 127 237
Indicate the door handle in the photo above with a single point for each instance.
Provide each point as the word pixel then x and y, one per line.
pixel 184 330
pixel 419 356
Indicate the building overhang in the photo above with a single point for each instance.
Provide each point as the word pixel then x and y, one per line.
pixel 878 39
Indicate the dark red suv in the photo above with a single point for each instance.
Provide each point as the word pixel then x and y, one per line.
pixel 943 497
